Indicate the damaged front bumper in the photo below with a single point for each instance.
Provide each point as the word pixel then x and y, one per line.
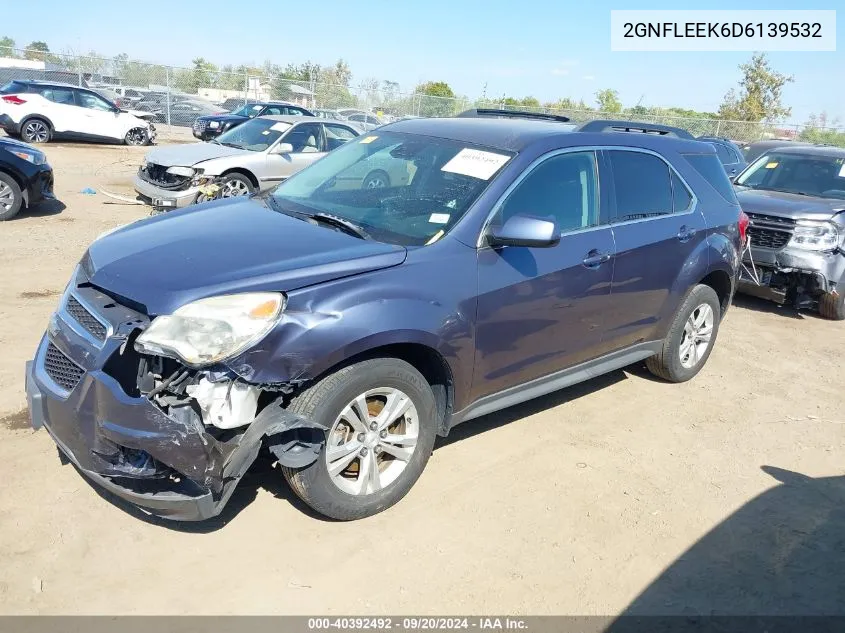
pixel 791 275
pixel 167 464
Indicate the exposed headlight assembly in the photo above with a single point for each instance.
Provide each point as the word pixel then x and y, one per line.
pixel 210 330
pixel 810 235
pixel 181 171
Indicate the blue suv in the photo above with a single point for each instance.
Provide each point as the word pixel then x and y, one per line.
pixel 343 327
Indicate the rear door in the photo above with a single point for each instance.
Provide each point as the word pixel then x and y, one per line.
pixel 61 109
pixel 656 227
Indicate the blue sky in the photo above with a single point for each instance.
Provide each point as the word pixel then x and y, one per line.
pixel 546 49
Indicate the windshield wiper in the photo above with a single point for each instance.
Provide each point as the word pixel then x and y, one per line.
pixel 235 145
pixel 342 223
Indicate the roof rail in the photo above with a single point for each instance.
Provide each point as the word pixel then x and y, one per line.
pixel 511 114
pixel 606 125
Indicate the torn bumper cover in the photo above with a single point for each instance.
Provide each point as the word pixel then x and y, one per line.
pixel 777 274
pixel 168 465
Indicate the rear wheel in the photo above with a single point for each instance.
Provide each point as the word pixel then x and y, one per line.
pixel 376 180
pixel 690 340
pixel 11 198
pixel 36 131
pixel 832 306
pixel 381 417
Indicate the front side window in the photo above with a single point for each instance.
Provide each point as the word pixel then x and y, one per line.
pixel 305 138
pixel 400 188
pixel 803 174
pixel 94 102
pixel 255 135
pixel 562 188
pixel 642 185
pixel 337 135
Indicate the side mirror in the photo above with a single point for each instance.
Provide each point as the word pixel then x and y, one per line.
pixel 283 148
pixel 525 230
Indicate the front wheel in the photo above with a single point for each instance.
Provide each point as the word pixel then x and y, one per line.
pixel 11 197
pixel 234 185
pixel 381 417
pixel 137 136
pixel 691 337
pixel 832 306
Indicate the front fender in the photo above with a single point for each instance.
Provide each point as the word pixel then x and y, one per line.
pixel 327 324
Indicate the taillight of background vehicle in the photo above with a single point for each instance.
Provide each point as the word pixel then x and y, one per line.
pixel 14 100
pixel 744 221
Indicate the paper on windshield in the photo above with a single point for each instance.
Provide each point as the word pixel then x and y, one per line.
pixel 280 127
pixel 771 165
pixel 842 171
pixel 475 163
pixel 439 218
pixel 368 139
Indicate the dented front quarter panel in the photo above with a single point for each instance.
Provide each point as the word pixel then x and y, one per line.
pixel 326 324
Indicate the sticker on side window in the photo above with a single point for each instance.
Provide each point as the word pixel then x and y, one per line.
pixel 475 163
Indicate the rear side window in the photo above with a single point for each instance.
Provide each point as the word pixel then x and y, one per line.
pixel 681 197
pixel 723 153
pixel 58 95
pixel 642 184
pixel 14 87
pixel 711 170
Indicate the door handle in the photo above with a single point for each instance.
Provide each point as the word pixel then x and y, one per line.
pixel 594 259
pixel 685 234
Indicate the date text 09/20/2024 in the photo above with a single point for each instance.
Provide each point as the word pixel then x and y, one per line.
pixel 417 624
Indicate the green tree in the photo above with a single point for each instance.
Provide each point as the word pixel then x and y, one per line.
pixel 608 101
pixel 820 129
pixel 759 95
pixel 7 47
pixel 434 98
pixel 37 51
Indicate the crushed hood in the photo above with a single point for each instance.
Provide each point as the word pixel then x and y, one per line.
pixel 191 154
pixel 788 205
pixel 227 246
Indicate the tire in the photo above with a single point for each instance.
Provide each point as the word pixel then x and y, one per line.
pixel 333 397
pixel 11 198
pixel 673 363
pixel 137 136
pixel 234 185
pixel 36 130
pixel 376 179
pixel 832 306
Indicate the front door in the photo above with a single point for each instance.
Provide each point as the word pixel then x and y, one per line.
pixel 308 146
pixel 657 227
pixel 98 117
pixel 541 310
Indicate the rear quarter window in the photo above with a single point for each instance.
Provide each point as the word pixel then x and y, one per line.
pixel 710 168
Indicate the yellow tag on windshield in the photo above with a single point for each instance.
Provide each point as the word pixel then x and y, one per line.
pixel 368 139
pixel 771 165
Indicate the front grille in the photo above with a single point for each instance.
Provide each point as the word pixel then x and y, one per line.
pixel 157 175
pixel 769 231
pixel 199 126
pixel 62 370
pixel 86 319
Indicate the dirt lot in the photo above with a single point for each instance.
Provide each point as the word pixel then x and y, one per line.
pixel 575 503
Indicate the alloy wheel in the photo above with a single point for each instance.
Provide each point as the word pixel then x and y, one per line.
pixel 233 188
pixel 7 196
pixel 372 441
pixel 695 340
pixel 35 132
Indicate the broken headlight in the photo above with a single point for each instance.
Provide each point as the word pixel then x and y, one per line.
pixel 814 236
pixel 211 330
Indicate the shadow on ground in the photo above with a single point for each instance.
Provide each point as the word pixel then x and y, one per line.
pixel 781 554
pixel 42 210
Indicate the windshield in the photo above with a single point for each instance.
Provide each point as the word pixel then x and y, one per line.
pixel 803 174
pixel 255 135
pixel 251 110
pixel 399 188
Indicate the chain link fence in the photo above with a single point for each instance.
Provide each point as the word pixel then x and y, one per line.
pixel 177 96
